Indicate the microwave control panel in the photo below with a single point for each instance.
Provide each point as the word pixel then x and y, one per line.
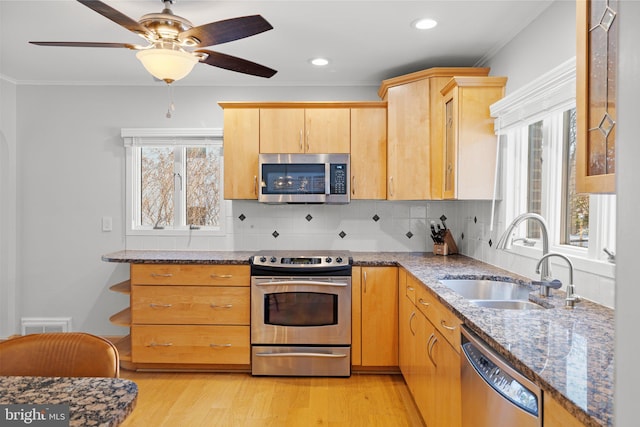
pixel 338 181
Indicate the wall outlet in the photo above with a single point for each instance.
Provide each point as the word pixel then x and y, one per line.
pixel 107 223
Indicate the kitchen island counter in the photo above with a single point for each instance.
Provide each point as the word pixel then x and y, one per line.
pixel 568 353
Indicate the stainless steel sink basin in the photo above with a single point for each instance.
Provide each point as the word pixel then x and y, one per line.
pixel 473 289
pixel 508 304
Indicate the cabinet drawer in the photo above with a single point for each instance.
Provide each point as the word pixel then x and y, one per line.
pixel 446 322
pixel 190 305
pixel 411 288
pixel 190 344
pixel 190 274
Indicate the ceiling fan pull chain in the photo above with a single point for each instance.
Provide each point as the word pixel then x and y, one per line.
pixel 172 106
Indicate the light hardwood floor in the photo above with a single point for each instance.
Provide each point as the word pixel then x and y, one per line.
pixel 236 399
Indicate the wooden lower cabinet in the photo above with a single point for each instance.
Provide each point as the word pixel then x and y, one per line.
pixel 189 316
pixel 429 362
pixel 375 338
pixel 190 344
pixel 554 415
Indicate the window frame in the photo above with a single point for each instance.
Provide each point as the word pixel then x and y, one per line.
pixel 134 139
pixel 547 98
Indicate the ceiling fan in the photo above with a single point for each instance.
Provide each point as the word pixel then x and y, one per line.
pixel 174 44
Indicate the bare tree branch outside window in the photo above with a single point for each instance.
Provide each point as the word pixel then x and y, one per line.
pixel 157 186
pixel 203 186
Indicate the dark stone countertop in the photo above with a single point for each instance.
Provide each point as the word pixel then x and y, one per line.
pixel 103 402
pixel 568 353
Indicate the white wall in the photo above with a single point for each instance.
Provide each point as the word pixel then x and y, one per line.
pixel 9 292
pixel 627 178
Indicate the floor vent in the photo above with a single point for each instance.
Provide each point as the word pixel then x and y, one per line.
pixel 37 325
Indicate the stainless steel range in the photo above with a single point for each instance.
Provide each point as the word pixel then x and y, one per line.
pixel 301 313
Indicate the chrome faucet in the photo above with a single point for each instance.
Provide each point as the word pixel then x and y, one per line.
pixel 571 297
pixel 505 240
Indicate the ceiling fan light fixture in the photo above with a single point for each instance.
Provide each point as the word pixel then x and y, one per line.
pixel 167 64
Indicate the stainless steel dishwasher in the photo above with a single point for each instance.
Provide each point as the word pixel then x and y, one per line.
pixel 493 392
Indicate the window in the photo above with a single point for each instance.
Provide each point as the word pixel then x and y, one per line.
pixel 575 206
pixel 174 181
pixel 539 167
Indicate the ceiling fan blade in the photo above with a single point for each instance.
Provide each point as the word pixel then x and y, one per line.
pixel 116 16
pixel 233 63
pixel 228 30
pixel 88 44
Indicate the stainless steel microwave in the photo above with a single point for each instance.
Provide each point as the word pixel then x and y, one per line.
pixel 304 178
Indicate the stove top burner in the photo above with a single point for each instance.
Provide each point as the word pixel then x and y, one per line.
pixel 307 261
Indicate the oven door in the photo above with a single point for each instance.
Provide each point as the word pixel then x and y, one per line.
pixel 301 310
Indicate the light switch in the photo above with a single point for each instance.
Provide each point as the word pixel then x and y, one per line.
pixel 107 223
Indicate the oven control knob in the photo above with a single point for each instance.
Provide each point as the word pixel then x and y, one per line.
pixel 339 260
pixel 328 260
pixel 273 259
pixel 263 259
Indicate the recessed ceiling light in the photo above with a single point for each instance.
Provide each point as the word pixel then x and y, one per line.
pixel 320 62
pixel 424 24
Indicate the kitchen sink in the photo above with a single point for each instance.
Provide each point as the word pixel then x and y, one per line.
pixel 493 293
pixel 507 304
pixel 473 289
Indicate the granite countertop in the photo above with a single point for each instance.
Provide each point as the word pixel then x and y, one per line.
pixel 568 353
pixel 92 401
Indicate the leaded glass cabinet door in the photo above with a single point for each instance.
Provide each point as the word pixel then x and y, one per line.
pixel 597 40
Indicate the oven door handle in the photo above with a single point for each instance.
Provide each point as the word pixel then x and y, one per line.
pixel 301 282
pixel 296 354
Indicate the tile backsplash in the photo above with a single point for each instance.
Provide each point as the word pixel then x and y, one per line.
pixel 369 226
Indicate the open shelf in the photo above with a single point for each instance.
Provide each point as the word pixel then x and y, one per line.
pixel 122 318
pixel 122 287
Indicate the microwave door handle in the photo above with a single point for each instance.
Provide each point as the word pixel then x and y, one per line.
pixel 327 179
pixel 301 282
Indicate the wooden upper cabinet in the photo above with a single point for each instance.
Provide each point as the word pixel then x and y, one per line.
pixel 282 130
pixel 241 145
pixel 408 141
pixel 369 153
pixel 596 78
pixel 304 130
pixel 327 130
pixel 415 129
pixel 467 165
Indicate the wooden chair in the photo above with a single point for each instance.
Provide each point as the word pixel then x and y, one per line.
pixel 66 354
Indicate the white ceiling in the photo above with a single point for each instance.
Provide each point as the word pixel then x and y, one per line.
pixel 366 40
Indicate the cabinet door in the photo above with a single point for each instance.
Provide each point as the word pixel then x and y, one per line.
pixel 445 383
pixel 557 416
pixel 450 137
pixel 241 145
pixel 282 130
pixel 327 130
pixel 406 336
pixel 596 78
pixel 368 153
pixel 408 157
pixel 379 316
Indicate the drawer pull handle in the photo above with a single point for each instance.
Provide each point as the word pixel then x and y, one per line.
pixel 161 275
pixel 221 276
pixel 423 302
pixel 212 305
pixel 444 325
pixel 220 345
pixel 153 305
pixel 410 289
pixel 156 344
